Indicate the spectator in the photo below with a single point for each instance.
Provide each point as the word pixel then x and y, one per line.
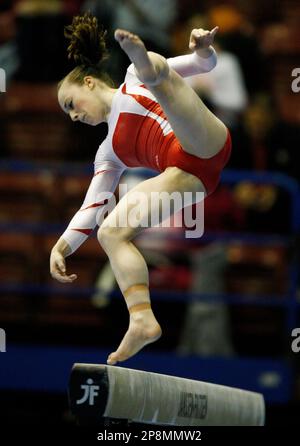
pixel 224 87
pixel 239 37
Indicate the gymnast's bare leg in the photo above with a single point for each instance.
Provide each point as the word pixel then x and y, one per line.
pixel 201 134
pixel 128 264
pixel 199 131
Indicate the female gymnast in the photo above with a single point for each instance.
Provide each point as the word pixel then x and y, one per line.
pixel 155 120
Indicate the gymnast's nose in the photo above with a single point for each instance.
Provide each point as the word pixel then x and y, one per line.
pixel 73 115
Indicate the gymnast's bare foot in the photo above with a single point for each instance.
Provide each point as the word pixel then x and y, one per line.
pixel 143 329
pixel 134 47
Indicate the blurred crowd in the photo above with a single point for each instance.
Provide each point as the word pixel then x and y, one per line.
pixel 247 89
pixel 258 45
pixel 250 89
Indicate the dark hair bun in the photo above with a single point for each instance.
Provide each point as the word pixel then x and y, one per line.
pixel 87 40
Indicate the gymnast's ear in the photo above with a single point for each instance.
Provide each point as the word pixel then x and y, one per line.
pixel 90 81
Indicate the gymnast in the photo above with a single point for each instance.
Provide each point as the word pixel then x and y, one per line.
pixel 155 120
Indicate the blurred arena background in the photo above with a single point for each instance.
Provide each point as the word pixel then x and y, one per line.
pixel 227 302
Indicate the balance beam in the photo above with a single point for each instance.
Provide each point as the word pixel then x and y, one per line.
pixel 103 391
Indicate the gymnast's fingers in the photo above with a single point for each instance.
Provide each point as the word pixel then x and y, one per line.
pixel 200 39
pixel 214 31
pixel 58 268
pixel 63 277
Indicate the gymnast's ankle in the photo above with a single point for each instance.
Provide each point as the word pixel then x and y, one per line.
pixel 142 315
pixel 146 320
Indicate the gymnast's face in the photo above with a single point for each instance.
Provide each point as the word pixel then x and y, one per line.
pixel 83 102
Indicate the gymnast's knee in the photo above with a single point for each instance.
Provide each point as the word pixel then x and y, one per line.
pixel 109 237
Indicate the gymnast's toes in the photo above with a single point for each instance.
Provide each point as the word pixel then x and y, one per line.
pixel 111 360
pixel 134 340
pixel 123 36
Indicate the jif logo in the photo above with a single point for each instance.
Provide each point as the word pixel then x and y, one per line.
pixel 90 392
pixel 2 341
pixel 2 81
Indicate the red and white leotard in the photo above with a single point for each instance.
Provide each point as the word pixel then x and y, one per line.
pixel 139 135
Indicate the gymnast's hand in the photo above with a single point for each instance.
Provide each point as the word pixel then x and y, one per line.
pixel 58 263
pixel 201 39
